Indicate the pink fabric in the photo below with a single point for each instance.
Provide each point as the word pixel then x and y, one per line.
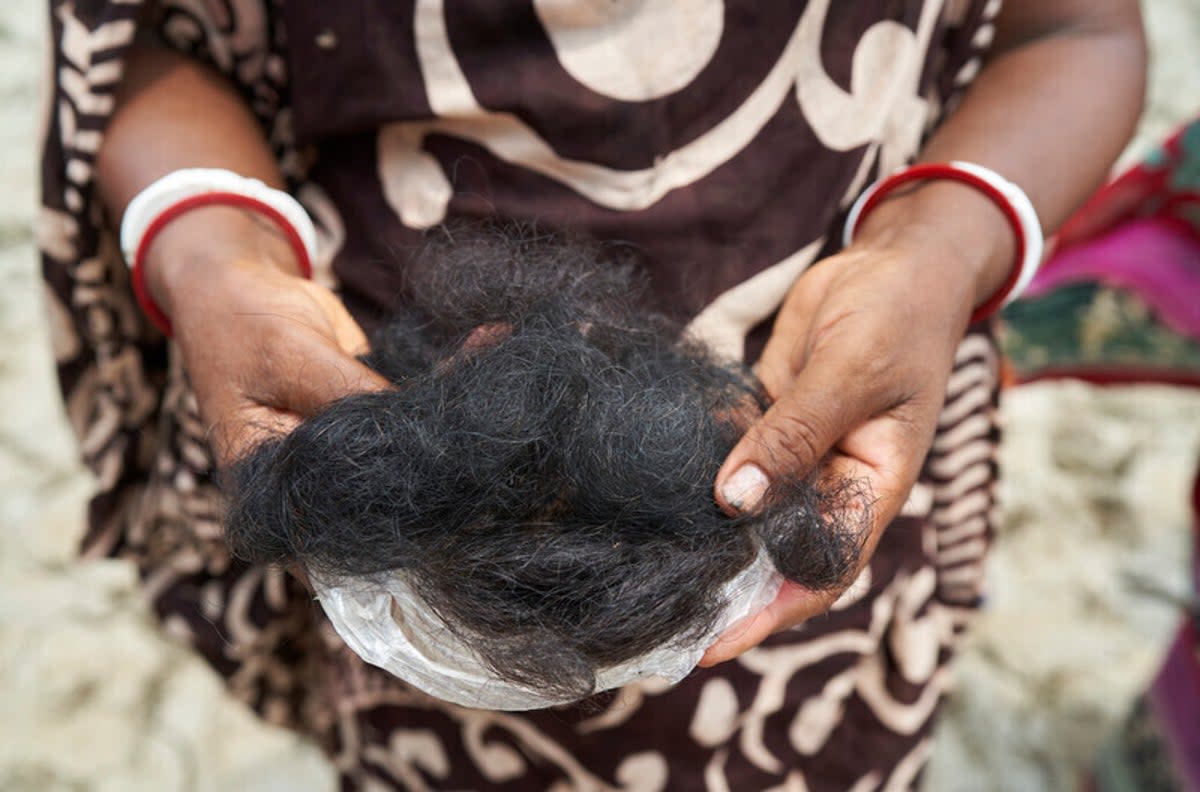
pixel 1151 257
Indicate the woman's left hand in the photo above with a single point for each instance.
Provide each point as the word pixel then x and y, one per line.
pixel 857 366
pixel 863 344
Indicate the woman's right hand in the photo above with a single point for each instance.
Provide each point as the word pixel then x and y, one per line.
pixel 263 347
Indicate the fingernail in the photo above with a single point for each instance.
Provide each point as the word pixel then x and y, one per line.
pixel 745 488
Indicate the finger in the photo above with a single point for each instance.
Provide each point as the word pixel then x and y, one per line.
pixel 317 375
pixel 741 637
pixel 243 429
pixel 829 397
pixel 786 350
pixel 773 375
pixel 482 337
pixel 349 336
pixel 777 364
pixel 889 450
pixel 792 605
pixel 347 333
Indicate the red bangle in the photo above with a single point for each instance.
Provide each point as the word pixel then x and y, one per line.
pixel 138 272
pixel 1024 263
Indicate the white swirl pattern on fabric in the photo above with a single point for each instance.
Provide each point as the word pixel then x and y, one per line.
pixel 420 194
pixel 633 50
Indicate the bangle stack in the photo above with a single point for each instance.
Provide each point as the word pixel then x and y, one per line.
pixel 1010 199
pixel 183 190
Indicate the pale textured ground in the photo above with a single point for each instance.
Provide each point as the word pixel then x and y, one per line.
pixel 93 698
pixel 1094 497
pixel 1095 491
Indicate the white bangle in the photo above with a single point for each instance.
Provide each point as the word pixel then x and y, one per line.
pixel 183 190
pixel 181 185
pixel 1008 197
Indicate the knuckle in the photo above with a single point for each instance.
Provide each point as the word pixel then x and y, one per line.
pixel 800 439
pixel 878 366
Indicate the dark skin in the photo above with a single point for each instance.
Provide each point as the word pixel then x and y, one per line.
pixel 846 382
pixel 263 347
pixel 1050 111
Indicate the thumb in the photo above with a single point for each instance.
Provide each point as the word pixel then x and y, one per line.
pixel 825 401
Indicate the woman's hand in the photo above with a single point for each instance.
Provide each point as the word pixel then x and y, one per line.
pixel 262 347
pixel 863 344
pixel 857 366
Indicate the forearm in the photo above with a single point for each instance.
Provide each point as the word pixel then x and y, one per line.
pixel 173 112
pixel 1051 111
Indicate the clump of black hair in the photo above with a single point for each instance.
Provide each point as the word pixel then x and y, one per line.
pixel 542 470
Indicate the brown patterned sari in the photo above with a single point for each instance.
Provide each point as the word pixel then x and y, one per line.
pixel 724 138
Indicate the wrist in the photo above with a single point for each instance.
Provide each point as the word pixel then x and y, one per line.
pixel 206 243
pixel 952 228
